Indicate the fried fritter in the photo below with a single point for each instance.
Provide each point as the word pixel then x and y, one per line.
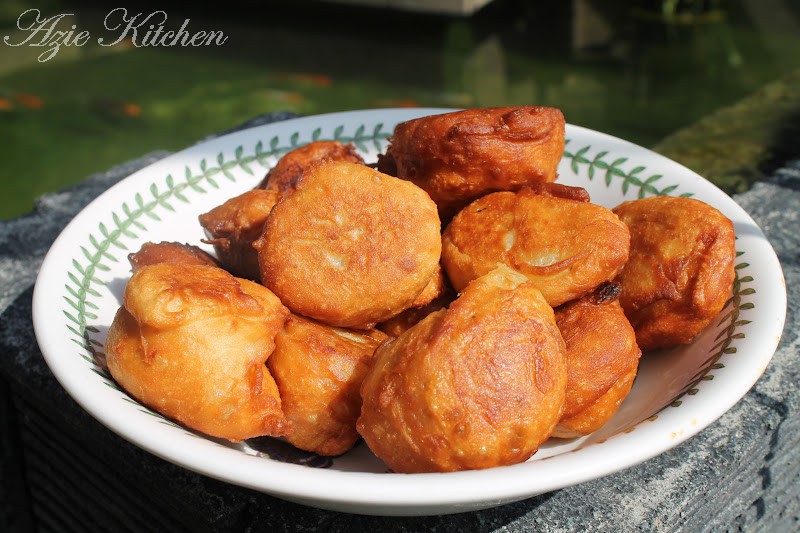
pixel 477 385
pixel 233 227
pixel 445 294
pixel 458 157
pixel 169 252
pixel 284 175
pixel 350 247
pixel 559 190
pixel 566 247
pixel 602 361
pixel 319 370
pixel 190 342
pixel 435 287
pixel 680 271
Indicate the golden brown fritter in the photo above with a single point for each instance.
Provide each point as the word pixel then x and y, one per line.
pixel 319 370
pixel 435 287
pixel 566 247
pixel 602 360
pixel 284 175
pixel 596 415
pixel 478 385
pixel 396 325
pixel 351 246
pixel 169 252
pixel 558 190
pixel 233 226
pixel 190 342
pixel 681 268
pixel 458 157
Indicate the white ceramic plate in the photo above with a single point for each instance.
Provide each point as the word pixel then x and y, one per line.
pixel 676 394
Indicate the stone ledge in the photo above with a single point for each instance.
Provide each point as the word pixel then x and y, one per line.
pixel 743 143
pixel 750 451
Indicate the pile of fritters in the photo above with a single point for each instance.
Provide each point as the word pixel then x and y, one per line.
pixel 454 307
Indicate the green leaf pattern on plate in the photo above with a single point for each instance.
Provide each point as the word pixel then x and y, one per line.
pixel 132 217
pixel 598 165
pixel 727 335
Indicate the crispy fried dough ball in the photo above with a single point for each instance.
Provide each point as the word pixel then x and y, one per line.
pixel 350 246
pixel 460 156
pixel 396 325
pixel 602 360
pixel 558 190
pixel 233 226
pixel 191 341
pixel 284 175
pixel 435 287
pixel 681 268
pixel 169 252
pixel 566 247
pixel 436 295
pixel 478 385
pixel 319 370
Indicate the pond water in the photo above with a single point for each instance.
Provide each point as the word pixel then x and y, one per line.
pixel 636 69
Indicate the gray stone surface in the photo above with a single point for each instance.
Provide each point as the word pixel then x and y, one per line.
pixel 740 474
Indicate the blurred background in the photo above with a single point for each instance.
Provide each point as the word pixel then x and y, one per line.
pixel 637 69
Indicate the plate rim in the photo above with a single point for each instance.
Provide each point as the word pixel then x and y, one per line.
pixel 327 489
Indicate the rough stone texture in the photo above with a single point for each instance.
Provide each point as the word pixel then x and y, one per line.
pixel 743 143
pixel 62 470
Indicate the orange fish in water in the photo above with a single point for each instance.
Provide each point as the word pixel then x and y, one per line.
pixel 130 109
pixel 28 100
pixel 320 80
pixel 5 104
